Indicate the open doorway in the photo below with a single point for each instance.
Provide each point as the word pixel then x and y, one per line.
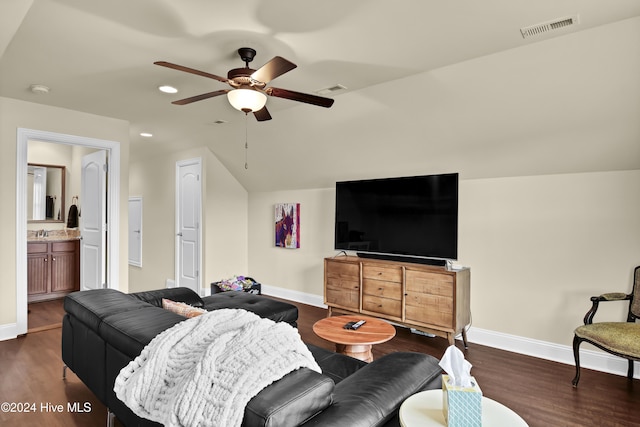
pixel 113 183
pixel 65 250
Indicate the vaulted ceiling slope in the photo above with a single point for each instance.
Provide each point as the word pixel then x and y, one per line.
pixel 431 86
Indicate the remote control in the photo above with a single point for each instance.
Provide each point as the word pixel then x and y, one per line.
pixel 358 324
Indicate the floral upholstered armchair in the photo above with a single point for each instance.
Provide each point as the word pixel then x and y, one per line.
pixel 619 338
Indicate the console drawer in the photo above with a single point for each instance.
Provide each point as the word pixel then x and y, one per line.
pixel 387 274
pixel 385 306
pixel 378 288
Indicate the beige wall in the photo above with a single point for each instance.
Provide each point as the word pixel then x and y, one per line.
pixel 538 247
pixel 16 114
pixel 224 227
pixel 299 270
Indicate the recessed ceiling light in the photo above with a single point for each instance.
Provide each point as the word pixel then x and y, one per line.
pixel 168 89
pixel 39 89
pixel 146 134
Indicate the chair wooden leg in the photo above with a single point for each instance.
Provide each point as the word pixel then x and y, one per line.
pixel 576 356
pixel 630 370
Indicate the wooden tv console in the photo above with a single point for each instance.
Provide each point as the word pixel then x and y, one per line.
pixel 428 298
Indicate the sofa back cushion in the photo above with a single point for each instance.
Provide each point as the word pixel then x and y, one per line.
pixel 91 307
pixel 131 331
pixel 185 295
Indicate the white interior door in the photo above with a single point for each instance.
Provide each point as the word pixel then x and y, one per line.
pixel 188 217
pixel 135 231
pixel 93 221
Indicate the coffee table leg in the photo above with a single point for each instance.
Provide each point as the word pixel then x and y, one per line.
pixel 362 352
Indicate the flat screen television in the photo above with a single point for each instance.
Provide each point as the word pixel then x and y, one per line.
pixel 399 217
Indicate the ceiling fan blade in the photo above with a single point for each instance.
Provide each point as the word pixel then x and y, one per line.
pixel 262 114
pixel 191 70
pixel 272 69
pixel 200 97
pixel 300 97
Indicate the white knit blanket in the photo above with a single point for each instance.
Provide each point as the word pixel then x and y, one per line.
pixel 203 371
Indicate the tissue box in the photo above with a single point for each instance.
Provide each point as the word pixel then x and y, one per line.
pixel 462 406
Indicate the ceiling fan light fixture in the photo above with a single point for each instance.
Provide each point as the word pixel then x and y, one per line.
pixel 167 89
pixel 246 100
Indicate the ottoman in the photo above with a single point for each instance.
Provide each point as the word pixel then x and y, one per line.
pixel 277 311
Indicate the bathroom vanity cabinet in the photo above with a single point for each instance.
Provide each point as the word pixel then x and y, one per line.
pixel 53 269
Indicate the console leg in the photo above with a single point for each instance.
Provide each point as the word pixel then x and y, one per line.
pixel 110 417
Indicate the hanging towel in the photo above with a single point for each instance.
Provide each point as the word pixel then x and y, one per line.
pixel 49 207
pixel 72 219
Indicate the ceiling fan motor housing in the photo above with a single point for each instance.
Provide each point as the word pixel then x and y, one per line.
pixel 247 54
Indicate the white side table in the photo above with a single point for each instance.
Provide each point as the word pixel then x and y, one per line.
pixel 424 409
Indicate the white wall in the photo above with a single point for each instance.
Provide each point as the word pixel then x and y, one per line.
pixel 538 247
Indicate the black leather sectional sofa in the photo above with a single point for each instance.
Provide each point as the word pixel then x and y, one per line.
pixel 105 329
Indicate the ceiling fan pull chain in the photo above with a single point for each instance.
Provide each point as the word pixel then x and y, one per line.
pixel 246 144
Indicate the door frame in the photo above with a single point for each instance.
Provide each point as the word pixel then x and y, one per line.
pixel 195 161
pixel 113 210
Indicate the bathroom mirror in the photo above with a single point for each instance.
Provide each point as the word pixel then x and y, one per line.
pixel 45 193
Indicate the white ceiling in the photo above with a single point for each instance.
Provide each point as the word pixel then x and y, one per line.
pixel 432 86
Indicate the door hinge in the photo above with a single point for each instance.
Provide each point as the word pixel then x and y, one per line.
pixel 105 167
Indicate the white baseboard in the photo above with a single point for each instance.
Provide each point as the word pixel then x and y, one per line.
pixel 8 331
pixel 589 359
pixel 291 295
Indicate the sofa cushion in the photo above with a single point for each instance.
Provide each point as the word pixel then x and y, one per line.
pixel 131 331
pixel 269 308
pixel 91 307
pixel 182 294
pixel 182 309
pixel 334 365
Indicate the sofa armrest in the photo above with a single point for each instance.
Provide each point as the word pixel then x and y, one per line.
pixel 373 394
pixel 290 401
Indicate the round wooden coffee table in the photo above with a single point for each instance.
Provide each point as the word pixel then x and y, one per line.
pixel 354 343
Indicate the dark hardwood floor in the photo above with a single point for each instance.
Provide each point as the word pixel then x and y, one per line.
pixel 45 315
pixel 540 391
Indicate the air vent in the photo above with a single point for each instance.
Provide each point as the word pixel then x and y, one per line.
pixel 545 27
pixel 332 89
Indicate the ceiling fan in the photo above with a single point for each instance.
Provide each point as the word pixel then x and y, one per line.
pixel 249 87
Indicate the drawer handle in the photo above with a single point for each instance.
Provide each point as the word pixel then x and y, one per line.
pixel 380 289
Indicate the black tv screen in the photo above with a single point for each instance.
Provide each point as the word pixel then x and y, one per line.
pixel 410 216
